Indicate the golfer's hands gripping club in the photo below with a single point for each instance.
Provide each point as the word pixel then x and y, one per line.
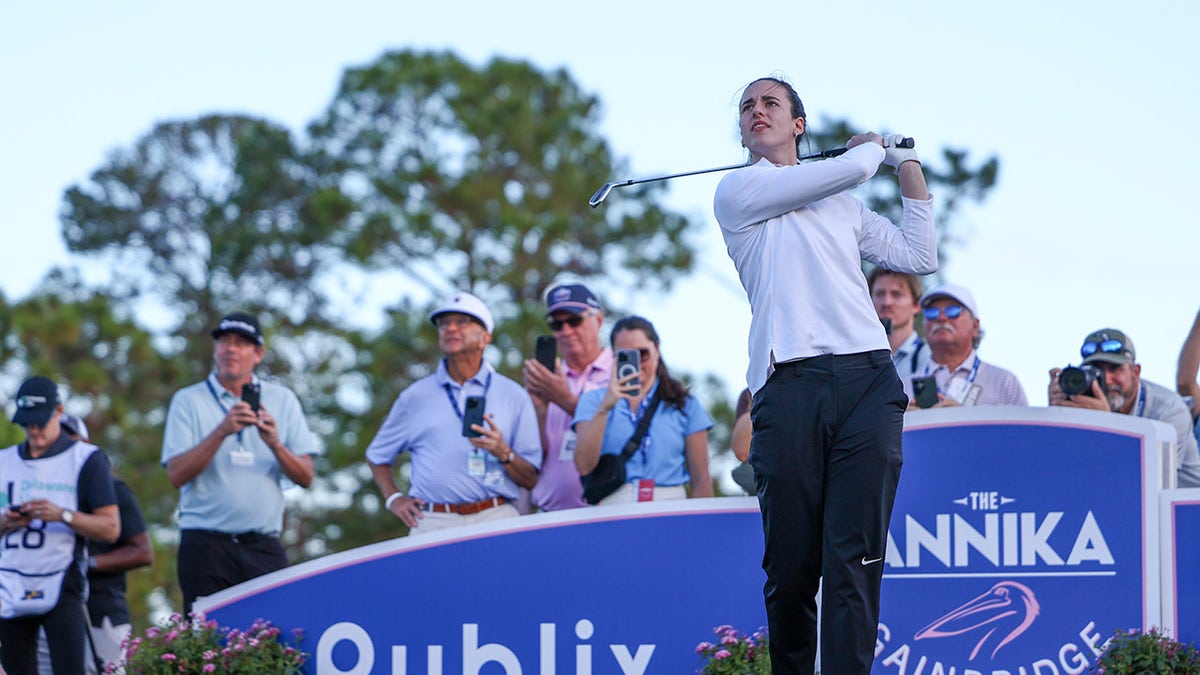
pixel 897 150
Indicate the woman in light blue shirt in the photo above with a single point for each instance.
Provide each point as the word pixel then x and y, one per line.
pixel 675 449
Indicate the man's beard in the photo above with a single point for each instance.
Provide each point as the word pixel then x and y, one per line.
pixel 1118 399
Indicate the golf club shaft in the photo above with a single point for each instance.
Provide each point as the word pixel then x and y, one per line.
pixel 602 193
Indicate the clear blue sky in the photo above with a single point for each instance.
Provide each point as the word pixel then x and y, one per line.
pixel 1091 107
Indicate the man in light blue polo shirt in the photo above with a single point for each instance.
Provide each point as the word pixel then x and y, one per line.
pixel 229 442
pixel 456 479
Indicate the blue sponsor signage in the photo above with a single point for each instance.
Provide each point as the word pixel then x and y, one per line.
pixel 1181 561
pixel 1020 541
pixel 624 589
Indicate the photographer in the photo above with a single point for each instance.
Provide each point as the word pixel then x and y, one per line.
pixel 1118 387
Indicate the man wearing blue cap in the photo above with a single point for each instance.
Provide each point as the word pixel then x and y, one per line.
pixel 228 443
pixel 55 493
pixel 574 316
pixel 458 479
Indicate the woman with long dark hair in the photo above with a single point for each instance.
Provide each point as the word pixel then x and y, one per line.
pixel 674 451
pixel 828 406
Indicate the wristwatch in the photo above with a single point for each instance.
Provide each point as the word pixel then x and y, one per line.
pixel 508 459
pixel 68 516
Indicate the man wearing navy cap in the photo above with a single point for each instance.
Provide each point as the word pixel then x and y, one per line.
pixel 574 316
pixel 55 492
pixel 458 479
pixel 1126 393
pixel 228 457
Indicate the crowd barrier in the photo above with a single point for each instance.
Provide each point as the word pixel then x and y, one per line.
pixel 1022 538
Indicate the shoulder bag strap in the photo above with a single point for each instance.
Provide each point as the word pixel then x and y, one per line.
pixel 635 441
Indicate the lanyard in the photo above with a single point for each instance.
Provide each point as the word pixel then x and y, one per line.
pixel 454 401
pixel 1141 406
pixel 211 390
pixel 970 377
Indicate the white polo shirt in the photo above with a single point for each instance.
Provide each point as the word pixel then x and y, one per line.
pixel 798 241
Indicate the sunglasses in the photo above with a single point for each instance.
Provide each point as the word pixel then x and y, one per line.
pixel 951 312
pixel 574 321
pixel 1105 346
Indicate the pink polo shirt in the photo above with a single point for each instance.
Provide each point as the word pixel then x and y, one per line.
pixel 558 485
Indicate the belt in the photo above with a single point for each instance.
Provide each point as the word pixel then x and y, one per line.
pixel 466 508
pixel 235 537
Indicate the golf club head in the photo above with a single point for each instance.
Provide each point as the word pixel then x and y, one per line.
pixel 601 194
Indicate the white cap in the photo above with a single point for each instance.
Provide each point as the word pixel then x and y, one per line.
pixel 465 303
pixel 954 292
pixel 75 425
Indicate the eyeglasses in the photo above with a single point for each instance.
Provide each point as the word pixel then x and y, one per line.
pixel 1107 346
pixel 951 312
pixel 574 321
pixel 457 320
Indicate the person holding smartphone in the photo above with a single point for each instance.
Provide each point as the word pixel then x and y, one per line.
pixel 228 444
pixel 574 316
pixel 55 494
pixel 828 406
pixel 465 469
pixel 673 454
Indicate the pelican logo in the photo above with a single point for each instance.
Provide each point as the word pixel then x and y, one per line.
pixel 562 295
pixel 30 401
pixel 997 617
pixel 33 595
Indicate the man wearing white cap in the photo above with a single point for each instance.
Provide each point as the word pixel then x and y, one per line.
pixel 458 479
pixel 953 333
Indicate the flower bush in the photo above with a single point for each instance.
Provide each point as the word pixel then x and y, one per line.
pixel 735 654
pixel 1133 651
pixel 198 646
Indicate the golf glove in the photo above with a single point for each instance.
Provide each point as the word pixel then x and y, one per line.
pixel 894 156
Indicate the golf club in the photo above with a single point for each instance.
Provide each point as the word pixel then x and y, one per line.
pixel 602 194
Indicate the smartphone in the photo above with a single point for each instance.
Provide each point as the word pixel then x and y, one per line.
pixel 547 351
pixel 250 395
pixel 629 361
pixel 473 414
pixel 925 391
pixel 887 325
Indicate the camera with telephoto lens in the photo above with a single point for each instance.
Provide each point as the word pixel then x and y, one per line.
pixel 1075 381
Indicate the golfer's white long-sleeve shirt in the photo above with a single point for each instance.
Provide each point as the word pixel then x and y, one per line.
pixel 798 240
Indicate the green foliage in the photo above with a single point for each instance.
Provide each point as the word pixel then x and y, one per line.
pixel 197 646
pixel 1134 652
pixel 438 173
pixel 735 654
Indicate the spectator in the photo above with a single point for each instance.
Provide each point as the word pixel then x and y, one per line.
pixel 575 317
pixel 228 457
pixel 107 564
pixel 673 452
pixel 57 493
pixel 458 480
pixel 1126 393
pixel 963 379
pixel 739 440
pixel 897 300
pixel 1185 374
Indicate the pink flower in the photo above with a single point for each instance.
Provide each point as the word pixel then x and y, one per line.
pixel 723 629
pixel 152 632
pixel 703 647
pixel 169 657
pixel 729 640
pixel 209 668
pixel 722 654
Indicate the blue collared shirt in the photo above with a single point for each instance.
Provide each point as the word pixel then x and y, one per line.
pixel 424 422
pixel 663 456
pixel 240 489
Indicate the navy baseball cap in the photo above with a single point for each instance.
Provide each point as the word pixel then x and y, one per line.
pixel 36 401
pixel 573 298
pixel 243 324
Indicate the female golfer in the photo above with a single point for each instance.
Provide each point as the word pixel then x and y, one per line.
pixel 828 406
